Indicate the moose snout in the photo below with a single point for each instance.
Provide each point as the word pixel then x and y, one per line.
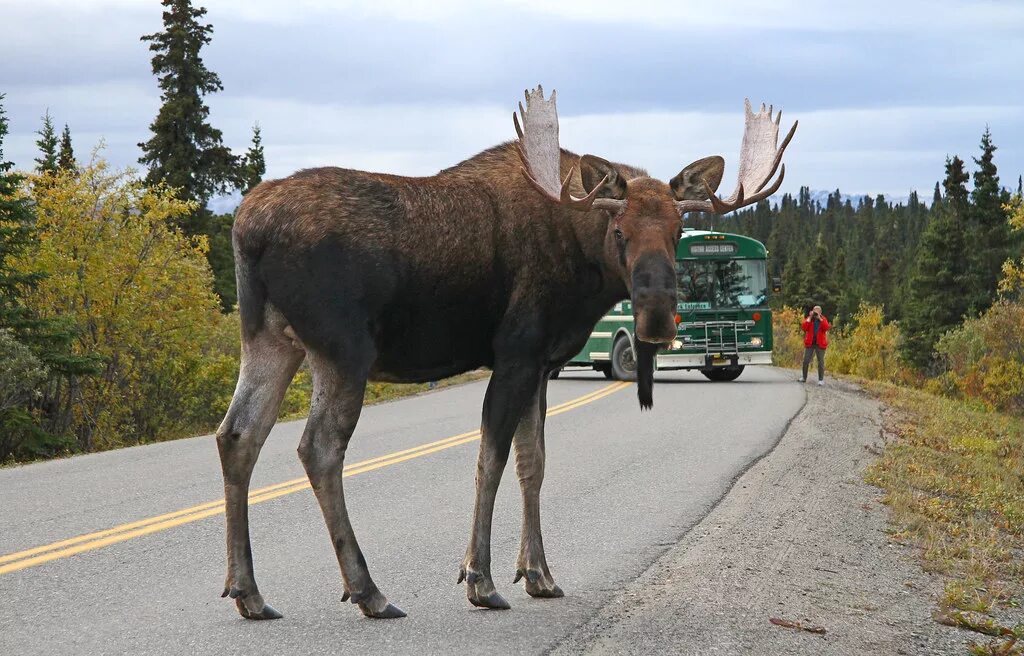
pixel 654 299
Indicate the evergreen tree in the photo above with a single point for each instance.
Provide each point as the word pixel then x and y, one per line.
pixel 941 279
pixel 185 151
pixel 253 163
pixel 819 286
pixel 47 142
pixel 989 228
pixel 846 303
pixel 222 260
pixel 66 156
pixel 17 223
pixel 793 289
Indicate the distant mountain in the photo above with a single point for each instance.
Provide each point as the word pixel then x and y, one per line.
pixel 821 197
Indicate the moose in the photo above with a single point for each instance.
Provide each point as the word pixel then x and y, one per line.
pixel 506 261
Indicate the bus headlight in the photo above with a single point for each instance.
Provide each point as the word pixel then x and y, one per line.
pixel 756 341
pixel 676 345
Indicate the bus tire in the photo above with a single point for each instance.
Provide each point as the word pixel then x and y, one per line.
pixel 722 374
pixel 605 369
pixel 623 365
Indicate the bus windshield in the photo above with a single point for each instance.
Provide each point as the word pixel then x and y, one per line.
pixel 712 284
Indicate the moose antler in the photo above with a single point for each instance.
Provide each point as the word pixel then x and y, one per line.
pixel 760 157
pixel 541 155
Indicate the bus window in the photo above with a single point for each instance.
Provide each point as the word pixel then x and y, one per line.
pixel 706 284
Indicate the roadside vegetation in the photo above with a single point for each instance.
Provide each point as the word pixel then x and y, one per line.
pixel 952 470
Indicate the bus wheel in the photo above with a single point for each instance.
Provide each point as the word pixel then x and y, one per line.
pixel 605 369
pixel 623 363
pixel 722 374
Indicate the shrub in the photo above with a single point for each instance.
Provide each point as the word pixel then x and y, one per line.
pixel 787 337
pixel 869 348
pixel 985 358
pixel 139 292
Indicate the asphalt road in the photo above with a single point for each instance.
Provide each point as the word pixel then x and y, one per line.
pixel 123 552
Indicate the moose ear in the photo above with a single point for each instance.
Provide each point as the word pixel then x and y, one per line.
pixel 594 169
pixel 688 184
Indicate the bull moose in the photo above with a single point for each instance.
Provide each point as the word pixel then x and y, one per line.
pixel 505 260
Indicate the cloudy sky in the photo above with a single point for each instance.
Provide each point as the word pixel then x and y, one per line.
pixel 884 90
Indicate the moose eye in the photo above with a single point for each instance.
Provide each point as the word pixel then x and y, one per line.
pixel 618 234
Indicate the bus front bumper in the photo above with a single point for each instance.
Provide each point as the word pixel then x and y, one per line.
pixel 700 360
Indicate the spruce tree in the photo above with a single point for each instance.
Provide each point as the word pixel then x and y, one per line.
pixel 66 156
pixel 819 286
pixel 17 223
pixel 47 142
pixel 185 151
pixel 941 280
pixel 253 163
pixel 989 228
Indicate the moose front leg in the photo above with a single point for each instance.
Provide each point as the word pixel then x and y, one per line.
pixel 529 445
pixel 509 392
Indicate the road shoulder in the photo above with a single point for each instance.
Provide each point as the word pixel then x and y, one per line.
pixel 800 538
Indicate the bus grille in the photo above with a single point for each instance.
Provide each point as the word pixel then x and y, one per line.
pixel 725 337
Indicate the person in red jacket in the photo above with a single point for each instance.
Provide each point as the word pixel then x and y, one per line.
pixel 815 327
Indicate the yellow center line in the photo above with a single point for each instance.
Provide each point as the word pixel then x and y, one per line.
pixel 19 560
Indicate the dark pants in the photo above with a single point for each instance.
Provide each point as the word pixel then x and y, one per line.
pixel 810 352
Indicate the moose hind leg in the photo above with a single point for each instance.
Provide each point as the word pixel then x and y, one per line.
pixel 529 448
pixel 267 366
pixel 508 393
pixel 339 382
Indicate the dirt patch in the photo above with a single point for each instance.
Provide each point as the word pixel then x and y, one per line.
pixel 794 560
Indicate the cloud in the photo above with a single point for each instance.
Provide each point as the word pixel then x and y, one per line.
pixel 883 90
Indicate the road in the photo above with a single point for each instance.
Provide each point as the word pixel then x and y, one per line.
pixel 123 552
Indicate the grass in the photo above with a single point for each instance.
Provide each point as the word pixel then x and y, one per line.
pixel 296 402
pixel 953 478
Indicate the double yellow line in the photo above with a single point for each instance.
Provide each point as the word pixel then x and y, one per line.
pixel 19 560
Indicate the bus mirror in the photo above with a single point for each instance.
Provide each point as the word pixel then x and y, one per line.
pixel 776 284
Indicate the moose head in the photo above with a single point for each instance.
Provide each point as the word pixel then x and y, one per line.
pixel 644 215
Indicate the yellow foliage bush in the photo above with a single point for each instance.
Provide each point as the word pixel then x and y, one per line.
pixel 868 348
pixel 140 293
pixel 1012 284
pixel 985 358
pixel 787 337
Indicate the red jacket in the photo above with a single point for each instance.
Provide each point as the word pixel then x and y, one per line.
pixel 823 328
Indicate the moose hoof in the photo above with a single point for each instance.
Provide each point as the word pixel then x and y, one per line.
pixel 494 601
pixel 267 612
pixel 480 589
pixel 539 584
pixel 375 605
pixel 390 612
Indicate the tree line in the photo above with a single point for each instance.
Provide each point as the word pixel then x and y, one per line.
pixel 930 266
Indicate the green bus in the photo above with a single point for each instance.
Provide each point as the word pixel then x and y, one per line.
pixel 724 322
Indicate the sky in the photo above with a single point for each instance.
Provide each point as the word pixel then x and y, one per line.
pixel 884 91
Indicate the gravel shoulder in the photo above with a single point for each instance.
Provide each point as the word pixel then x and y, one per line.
pixel 800 538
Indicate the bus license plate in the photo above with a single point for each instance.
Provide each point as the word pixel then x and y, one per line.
pixel 718 359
